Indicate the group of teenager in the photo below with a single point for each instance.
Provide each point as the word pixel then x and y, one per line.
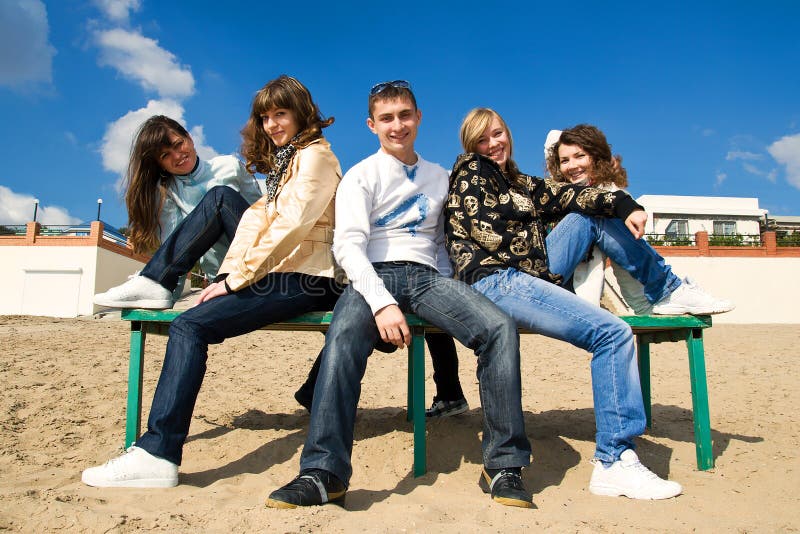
pixel 477 252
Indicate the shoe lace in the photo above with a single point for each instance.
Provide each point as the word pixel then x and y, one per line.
pixel 302 482
pixel 115 462
pixel 509 477
pixel 640 468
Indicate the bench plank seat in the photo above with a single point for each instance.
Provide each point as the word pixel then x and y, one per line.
pixel 647 328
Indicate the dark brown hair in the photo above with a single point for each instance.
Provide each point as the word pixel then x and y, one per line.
pixel 285 92
pixel 391 93
pixel 608 168
pixel 145 181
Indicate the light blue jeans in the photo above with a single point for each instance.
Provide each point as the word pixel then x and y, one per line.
pixel 552 311
pixel 574 236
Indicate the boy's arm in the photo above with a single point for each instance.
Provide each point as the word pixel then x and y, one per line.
pixel 354 203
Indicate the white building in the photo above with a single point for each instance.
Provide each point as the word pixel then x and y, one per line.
pixel 682 216
pixel 56 274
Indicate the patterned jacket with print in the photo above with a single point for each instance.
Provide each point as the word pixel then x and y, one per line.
pixel 493 224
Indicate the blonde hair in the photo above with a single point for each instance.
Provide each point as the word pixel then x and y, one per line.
pixel 472 128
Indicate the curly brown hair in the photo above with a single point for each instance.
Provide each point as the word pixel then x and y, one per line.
pixel 145 181
pixel 284 92
pixel 608 168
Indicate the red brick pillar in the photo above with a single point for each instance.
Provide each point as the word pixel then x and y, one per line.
pixel 96 231
pixel 701 241
pixel 31 231
pixel 770 241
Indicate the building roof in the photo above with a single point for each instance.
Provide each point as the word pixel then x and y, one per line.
pixel 695 205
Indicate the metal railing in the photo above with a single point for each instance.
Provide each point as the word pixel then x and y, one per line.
pixel 12 229
pixel 61 229
pixel 788 240
pixel 670 240
pixel 679 240
pixel 735 240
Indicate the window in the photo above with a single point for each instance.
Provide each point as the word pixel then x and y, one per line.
pixel 677 228
pixel 724 227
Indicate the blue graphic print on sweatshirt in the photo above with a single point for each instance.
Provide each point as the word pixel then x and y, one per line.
pixel 422 204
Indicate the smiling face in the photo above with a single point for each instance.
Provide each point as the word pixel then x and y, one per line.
pixel 280 125
pixel 179 157
pixel 395 123
pixel 575 164
pixel 494 143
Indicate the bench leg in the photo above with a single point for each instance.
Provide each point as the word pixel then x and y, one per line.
pixel 643 353
pixel 702 421
pixel 133 413
pixel 416 398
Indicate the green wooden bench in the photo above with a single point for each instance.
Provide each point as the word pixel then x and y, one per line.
pixel 648 329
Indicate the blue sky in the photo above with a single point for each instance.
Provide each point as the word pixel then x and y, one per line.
pixel 700 98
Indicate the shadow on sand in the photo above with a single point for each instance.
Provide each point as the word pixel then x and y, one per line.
pixel 453 440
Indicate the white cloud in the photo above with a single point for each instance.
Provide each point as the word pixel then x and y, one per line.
pixel 16 208
pixel 786 151
pixel 118 10
pixel 772 175
pixel 26 55
pixel 743 155
pixel 140 59
pixel 199 138
pixel 752 169
pixel 708 132
pixel 720 178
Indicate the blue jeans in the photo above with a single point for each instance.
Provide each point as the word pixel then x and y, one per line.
pixel 456 309
pixel 552 311
pixel 217 215
pixel 275 298
pixel 572 238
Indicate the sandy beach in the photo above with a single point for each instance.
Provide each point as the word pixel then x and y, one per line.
pixel 62 409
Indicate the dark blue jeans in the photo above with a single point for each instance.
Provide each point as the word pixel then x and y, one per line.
pixel 217 215
pixel 455 308
pixel 275 298
pixel 444 358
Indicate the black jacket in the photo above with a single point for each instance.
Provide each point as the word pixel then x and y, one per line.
pixel 493 224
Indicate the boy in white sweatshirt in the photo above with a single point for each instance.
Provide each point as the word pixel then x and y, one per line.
pixel 389 238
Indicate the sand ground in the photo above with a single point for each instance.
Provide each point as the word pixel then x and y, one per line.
pixel 62 409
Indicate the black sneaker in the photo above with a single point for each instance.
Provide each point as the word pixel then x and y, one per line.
pixel 443 408
pixel 506 487
pixel 311 488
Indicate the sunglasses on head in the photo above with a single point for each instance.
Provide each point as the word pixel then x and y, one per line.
pixel 379 87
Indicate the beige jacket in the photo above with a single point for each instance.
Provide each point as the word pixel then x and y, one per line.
pixel 294 232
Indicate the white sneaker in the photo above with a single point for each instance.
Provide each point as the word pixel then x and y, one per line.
pixel 690 298
pixel 137 292
pixel 136 468
pixel 627 476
